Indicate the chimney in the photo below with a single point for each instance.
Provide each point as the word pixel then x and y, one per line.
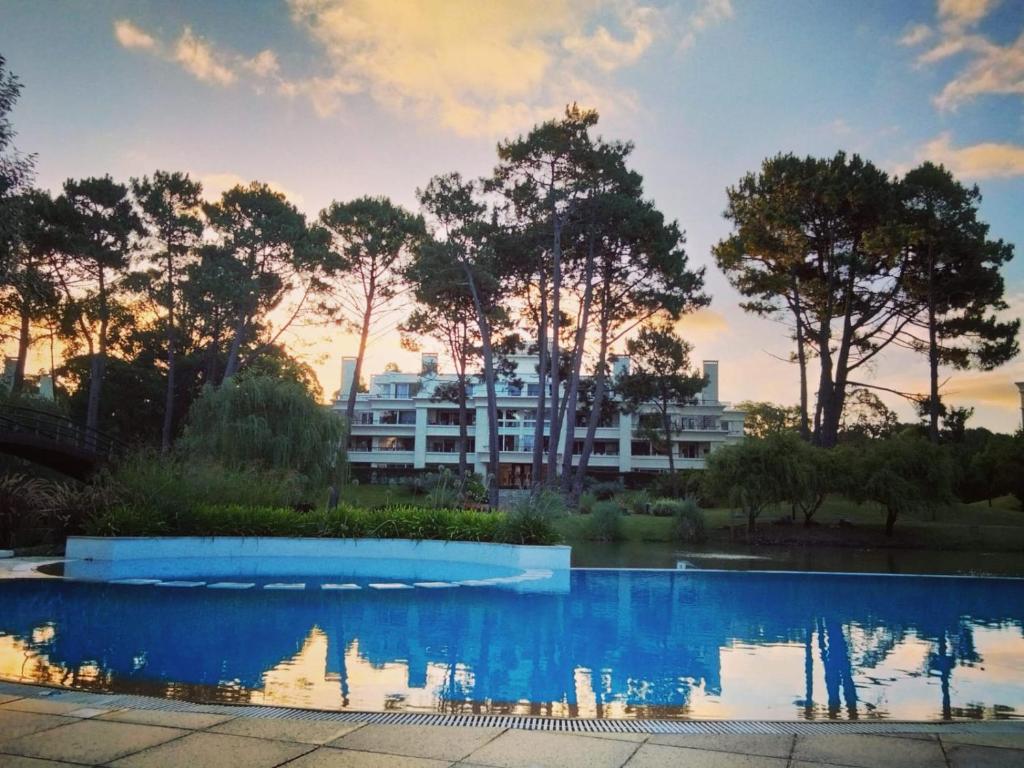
pixel 348 371
pixel 710 392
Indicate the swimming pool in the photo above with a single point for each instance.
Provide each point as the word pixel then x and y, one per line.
pixel 615 644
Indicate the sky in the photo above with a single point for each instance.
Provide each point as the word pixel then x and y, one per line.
pixel 333 99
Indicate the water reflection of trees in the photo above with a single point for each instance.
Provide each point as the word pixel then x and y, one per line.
pixel 641 643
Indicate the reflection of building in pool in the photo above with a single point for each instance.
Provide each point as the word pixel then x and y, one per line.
pixel 618 645
pixel 400 424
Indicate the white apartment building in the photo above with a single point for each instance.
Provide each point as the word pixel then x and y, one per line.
pixel 400 424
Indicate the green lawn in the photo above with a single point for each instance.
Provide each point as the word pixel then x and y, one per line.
pixel 960 526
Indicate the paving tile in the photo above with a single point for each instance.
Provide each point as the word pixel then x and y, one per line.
pixel 4 698
pixel 636 738
pixel 767 745
pixel 389 585
pixel 215 750
pixel 868 751
pixel 84 713
pixel 232 585
pixel 188 720
pixel 305 731
pixel 437 742
pixel 969 756
pixel 538 749
pixel 293 585
pixel 14 723
pixel 659 756
pixel 340 586
pixel 17 761
pixel 90 741
pixel 1007 740
pixel 328 757
pixel 53 706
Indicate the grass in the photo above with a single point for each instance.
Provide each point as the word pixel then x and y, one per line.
pixel 366 495
pixel 957 527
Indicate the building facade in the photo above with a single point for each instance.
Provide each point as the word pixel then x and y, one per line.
pixel 402 424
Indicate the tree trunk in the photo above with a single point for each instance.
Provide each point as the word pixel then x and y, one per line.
pixel 24 339
pixel 890 521
pixel 666 423
pixel 357 371
pixel 235 350
pixel 572 390
pixel 98 363
pixel 166 432
pixel 556 289
pixel 801 357
pixel 537 467
pixel 933 361
pixel 595 415
pixel 484 324
pixel 463 427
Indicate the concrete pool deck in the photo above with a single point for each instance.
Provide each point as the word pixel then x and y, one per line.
pixel 46 728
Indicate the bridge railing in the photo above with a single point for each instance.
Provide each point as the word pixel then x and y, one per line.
pixel 60 429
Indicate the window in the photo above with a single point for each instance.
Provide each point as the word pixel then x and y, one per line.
pixel 366 417
pixel 514 390
pixel 533 390
pixel 641 448
pixel 509 443
pixel 361 444
pixel 407 417
pixel 395 444
pixel 388 417
pixel 403 390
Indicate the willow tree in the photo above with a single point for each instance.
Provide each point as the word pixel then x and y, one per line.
pixel 267 422
pixel 372 240
pixel 170 204
pixel 953 288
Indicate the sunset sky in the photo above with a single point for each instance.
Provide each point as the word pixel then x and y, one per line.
pixel 332 99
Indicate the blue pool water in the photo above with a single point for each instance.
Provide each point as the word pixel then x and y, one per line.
pixel 617 643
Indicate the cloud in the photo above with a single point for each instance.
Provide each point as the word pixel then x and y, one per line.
pixel 198 57
pixel 708 13
pixel 976 161
pixel 473 68
pixel 215 184
pixel 131 36
pixel 990 68
pixel 995 69
pixel 916 35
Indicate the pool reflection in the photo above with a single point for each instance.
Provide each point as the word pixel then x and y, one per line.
pixel 619 644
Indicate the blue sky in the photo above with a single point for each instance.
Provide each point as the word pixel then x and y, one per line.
pixel 330 99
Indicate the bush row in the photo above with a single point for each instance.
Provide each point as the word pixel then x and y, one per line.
pixel 520 526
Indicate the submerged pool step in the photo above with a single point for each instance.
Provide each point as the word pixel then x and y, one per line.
pixel 180 584
pixel 231 585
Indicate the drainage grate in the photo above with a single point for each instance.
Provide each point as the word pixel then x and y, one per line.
pixel 520 722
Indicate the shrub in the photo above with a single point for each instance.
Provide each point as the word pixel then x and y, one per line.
pixel 685 483
pixel 638 503
pixel 586 503
pixel 605 523
pixel 398 522
pixel 664 507
pixel 531 521
pixel 688 522
pixel 605 489
pixel 166 487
